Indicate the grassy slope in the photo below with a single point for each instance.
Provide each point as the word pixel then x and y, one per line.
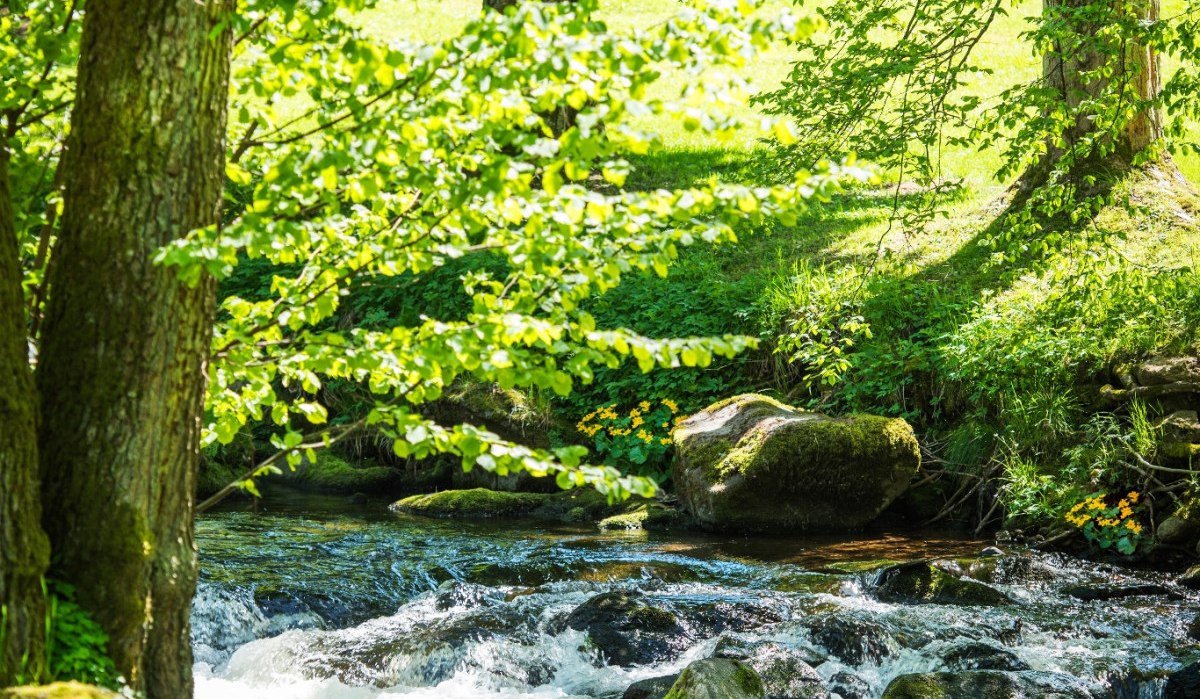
pixel 954 336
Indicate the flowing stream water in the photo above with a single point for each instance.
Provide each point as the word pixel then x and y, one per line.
pixel 311 598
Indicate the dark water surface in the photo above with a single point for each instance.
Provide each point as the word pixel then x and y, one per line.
pixel 311 597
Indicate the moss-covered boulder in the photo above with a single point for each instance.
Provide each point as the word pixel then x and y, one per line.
pixel 987 684
pixel 751 464
pixel 58 690
pixel 717 678
pixel 934 582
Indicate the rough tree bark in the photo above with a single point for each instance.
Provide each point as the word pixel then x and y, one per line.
pixel 1063 70
pixel 124 344
pixel 24 551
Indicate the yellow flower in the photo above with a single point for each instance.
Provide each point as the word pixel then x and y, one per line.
pixel 1095 504
pixel 665 440
pixel 670 405
pixel 1123 504
pixel 1133 527
pixel 1078 507
pixel 637 422
pixel 645 436
pixel 644 405
pixel 635 412
pixel 1126 512
pixel 1133 496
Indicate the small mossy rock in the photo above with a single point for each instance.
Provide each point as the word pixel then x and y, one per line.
pixel 751 464
pixel 651 688
pixel 58 690
pixel 1160 371
pixel 628 631
pixel 787 673
pixel 987 684
pixel 648 516
pixel 934 582
pixel 1183 684
pixel 718 678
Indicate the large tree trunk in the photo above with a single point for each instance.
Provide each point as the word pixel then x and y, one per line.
pixel 124 344
pixel 1064 68
pixel 24 551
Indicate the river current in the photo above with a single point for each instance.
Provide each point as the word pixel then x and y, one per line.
pixel 311 599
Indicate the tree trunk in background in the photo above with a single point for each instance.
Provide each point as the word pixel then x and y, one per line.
pixel 24 551
pixel 1140 66
pixel 124 344
pixel 562 118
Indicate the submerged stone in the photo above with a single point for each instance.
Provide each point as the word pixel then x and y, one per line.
pixel 853 641
pixel 751 464
pixel 718 678
pixel 652 688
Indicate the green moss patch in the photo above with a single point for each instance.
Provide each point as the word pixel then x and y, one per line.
pixel 581 505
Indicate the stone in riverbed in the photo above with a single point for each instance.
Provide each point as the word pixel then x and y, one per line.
pixel 717 678
pixel 785 672
pixel 853 641
pixel 652 688
pixel 628 631
pixel 976 655
pixel 987 684
pixel 934 582
pixel 1091 593
pixel 750 464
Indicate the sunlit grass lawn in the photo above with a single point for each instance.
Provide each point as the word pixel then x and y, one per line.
pixel 853 230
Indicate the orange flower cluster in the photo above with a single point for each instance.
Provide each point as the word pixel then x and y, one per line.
pixel 1094 509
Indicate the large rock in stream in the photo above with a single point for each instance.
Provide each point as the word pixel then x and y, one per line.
pixel 987 684
pixel 753 464
pixel 718 678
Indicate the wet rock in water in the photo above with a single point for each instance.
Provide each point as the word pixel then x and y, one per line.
pixel 652 688
pixel 786 672
pixel 991 552
pixel 853 641
pixel 750 464
pixel 628 631
pixel 1184 684
pixel 1091 593
pixel 58 690
pixel 714 617
pixel 987 684
pixel 1177 531
pixel 982 656
pixel 1190 578
pixel 452 593
pixel 735 648
pixel 1013 569
pixel 717 678
pixel 849 686
pixel 934 582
